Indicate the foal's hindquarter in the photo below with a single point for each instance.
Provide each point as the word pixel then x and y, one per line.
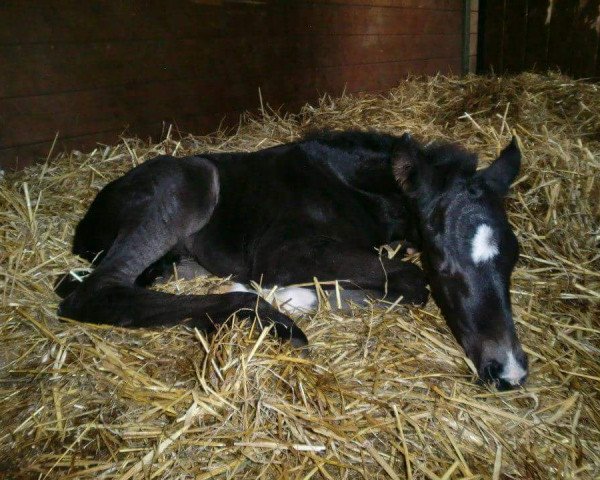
pixel 285 215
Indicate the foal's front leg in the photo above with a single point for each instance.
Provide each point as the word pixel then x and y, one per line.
pixel 301 260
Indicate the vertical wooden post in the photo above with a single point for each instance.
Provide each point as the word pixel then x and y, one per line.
pixel 466 36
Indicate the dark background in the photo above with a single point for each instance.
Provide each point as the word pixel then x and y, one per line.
pixel 522 35
pixel 93 70
pixel 88 69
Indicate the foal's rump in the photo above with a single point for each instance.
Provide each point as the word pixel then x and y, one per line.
pixel 117 209
pixel 163 187
pixel 134 225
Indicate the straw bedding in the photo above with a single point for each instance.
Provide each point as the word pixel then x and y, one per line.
pixel 384 392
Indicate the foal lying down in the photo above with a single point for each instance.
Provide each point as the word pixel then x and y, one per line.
pixel 316 208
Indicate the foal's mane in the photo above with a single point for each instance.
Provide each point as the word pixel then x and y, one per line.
pixel 445 156
pixel 351 140
pixel 446 161
pixel 450 158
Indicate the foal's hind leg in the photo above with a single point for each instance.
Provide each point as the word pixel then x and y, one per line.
pixel 182 204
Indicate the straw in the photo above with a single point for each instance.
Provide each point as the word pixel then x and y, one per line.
pixel 386 392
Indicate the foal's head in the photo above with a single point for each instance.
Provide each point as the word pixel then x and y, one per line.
pixel 468 248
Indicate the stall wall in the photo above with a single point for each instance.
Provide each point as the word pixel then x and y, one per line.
pixel 518 35
pixel 89 70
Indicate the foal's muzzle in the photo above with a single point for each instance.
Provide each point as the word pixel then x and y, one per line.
pixel 505 368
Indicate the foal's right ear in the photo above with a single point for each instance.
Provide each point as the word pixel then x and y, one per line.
pixel 504 170
pixel 405 157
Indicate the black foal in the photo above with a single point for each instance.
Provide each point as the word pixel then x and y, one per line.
pixel 318 207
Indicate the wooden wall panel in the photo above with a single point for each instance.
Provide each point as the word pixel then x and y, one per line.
pixel 541 34
pixel 108 64
pixel 88 70
pixel 537 36
pixel 586 43
pixel 515 30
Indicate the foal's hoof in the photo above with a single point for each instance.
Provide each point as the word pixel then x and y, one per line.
pixel 419 297
pixel 67 284
pixel 301 346
pixel 299 342
pixel 410 282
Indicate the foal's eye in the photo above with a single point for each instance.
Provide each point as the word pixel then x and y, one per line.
pixel 474 191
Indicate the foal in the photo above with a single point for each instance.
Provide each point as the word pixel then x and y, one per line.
pixel 318 207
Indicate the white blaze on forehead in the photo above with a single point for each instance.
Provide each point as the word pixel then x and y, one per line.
pixel 513 372
pixel 483 246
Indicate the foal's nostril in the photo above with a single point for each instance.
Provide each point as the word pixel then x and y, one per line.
pixel 515 370
pixel 510 374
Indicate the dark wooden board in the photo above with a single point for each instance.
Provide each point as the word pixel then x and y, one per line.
pixel 91 69
pixel 586 41
pixel 286 92
pixel 24 155
pixel 42 69
pixel 560 49
pixel 493 35
pixel 537 35
pixel 26 21
pixel 80 112
pixel 515 30
pixel 425 4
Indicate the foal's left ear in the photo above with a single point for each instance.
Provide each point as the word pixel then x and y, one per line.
pixel 502 173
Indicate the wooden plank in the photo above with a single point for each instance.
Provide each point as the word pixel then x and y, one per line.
pixel 466 32
pixel 473 63
pixel 536 39
pixel 41 69
pixel 88 69
pixel 541 35
pixel 585 43
pixel 370 20
pixel 35 119
pixel 561 35
pixel 21 156
pixel 368 78
pixel 492 38
pixel 474 19
pixel 378 78
pixel 31 21
pixel 25 21
pixel 597 72
pixel 514 34
pixel 321 51
pixel 78 113
pixel 473 45
pixel 425 4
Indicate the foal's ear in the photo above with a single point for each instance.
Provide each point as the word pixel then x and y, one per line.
pixel 501 174
pixel 404 161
